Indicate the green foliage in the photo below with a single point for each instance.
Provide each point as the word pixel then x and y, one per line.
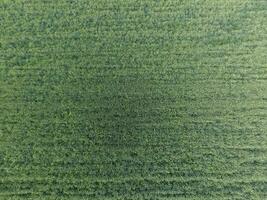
pixel 123 99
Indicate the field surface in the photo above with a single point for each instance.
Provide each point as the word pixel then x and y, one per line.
pixel 133 99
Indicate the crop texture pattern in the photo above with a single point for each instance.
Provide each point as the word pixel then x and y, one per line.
pixel 133 99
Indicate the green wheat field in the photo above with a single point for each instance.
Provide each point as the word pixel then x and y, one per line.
pixel 133 99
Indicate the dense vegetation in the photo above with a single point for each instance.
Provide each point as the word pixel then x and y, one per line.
pixel 133 99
